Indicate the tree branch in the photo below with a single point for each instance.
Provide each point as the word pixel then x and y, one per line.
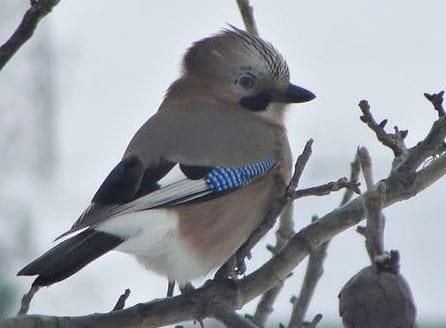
pixel 386 139
pixel 436 100
pixel 25 30
pixel 268 222
pixel 377 295
pixel 225 314
pixel 248 17
pixel 374 232
pixel 316 261
pixel 312 275
pixel 120 304
pixel 317 318
pixel 325 189
pixel 180 308
pixel 432 145
pixel 26 300
pixel 285 232
pixel 283 235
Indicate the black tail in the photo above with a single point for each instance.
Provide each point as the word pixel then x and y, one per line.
pixel 69 256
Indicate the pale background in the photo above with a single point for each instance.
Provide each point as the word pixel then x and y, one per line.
pixel 110 65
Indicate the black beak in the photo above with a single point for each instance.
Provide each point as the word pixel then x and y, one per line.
pixel 294 94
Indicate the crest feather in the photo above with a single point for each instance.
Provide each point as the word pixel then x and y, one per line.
pixel 233 46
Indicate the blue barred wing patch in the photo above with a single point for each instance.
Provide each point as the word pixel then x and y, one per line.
pixel 225 178
pixel 217 181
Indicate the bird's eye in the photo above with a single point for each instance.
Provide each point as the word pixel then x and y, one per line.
pixel 246 81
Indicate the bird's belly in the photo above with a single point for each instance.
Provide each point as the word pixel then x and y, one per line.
pixel 152 237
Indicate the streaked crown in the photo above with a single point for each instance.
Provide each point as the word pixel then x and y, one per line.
pixel 232 48
pixel 238 68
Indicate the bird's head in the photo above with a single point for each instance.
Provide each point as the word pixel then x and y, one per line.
pixel 237 67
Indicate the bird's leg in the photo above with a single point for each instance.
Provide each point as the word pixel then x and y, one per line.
pixel 186 289
pixel 170 287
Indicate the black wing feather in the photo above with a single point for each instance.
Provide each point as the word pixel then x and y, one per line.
pixel 126 182
pixel 122 183
pixel 70 256
pixel 194 172
pixel 151 176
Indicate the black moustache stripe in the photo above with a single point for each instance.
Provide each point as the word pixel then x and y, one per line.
pixel 257 102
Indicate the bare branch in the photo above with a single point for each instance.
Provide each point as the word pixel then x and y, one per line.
pixel 265 307
pixel 366 166
pixel 120 304
pixel 325 189
pixel 268 222
pixel 301 161
pixel 38 10
pixel 180 308
pixel 312 275
pixel 238 261
pixel 374 232
pixel 373 201
pixel 168 311
pixel 283 235
pixel 315 264
pixel 436 100
pixel 26 300
pixel 248 17
pixel 385 138
pixel 432 145
pixel 225 314
pixel 355 168
pixel 170 287
pixel 317 318
pixel 361 230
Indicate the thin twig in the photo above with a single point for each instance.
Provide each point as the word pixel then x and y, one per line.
pixel 170 287
pixel 268 222
pixel 373 203
pixel 361 230
pixel 299 167
pixel 26 300
pixel 271 217
pixel 374 231
pixel 225 314
pixel 283 235
pixel 238 261
pixel 315 264
pixel 181 308
pixel 430 146
pixel 355 168
pixel 313 324
pixel 285 231
pixel 248 16
pixel 325 189
pixel 385 138
pixel 366 166
pixel 312 275
pixel 120 304
pixel 38 10
pixel 436 100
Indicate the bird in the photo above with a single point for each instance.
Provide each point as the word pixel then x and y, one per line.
pixel 200 175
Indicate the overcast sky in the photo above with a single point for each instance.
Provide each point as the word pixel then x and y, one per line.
pixel 114 61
